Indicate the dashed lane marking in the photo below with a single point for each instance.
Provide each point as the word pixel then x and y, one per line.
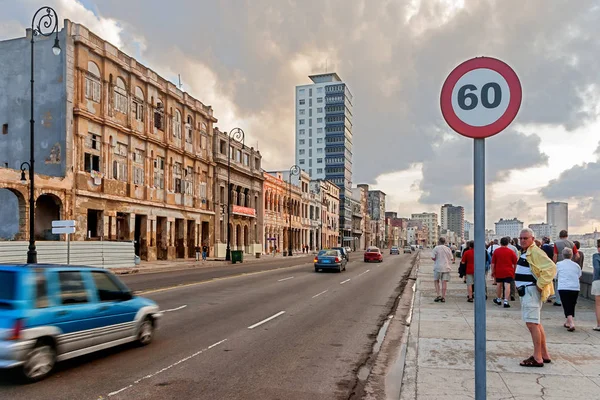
pixel 266 320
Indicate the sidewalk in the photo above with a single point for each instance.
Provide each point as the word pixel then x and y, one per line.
pixel 439 361
pixel 179 264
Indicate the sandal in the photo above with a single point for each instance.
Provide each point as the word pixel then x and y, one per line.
pixel 566 326
pixel 571 329
pixel 439 298
pixel 547 360
pixel 531 362
pixel 470 299
pixel 443 300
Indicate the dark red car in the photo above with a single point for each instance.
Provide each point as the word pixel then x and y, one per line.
pixel 373 254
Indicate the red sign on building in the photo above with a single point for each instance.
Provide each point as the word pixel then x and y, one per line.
pixel 245 211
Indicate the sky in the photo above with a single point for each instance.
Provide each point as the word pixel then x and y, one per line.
pixel 246 57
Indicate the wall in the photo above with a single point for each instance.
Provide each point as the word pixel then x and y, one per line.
pixel 50 105
pixel 586 285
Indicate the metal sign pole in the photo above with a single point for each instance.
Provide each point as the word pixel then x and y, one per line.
pixel 480 291
pixel 68 249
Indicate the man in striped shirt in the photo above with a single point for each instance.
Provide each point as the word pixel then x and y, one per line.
pixel 533 279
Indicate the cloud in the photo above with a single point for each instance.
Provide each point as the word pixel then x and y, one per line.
pixel 576 182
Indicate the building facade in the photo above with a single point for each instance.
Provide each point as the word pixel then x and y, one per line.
pixel 453 218
pixel 119 149
pixel 330 202
pixel 508 227
pixel 242 224
pixel 557 214
pixel 431 220
pixel 376 210
pixel 469 231
pixel 324 138
pixel 542 229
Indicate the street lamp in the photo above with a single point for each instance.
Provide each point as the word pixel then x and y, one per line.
pixel 47 25
pixel 238 136
pixel 294 170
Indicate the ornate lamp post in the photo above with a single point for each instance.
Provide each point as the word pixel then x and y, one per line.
pixel 45 24
pixel 294 170
pixel 237 135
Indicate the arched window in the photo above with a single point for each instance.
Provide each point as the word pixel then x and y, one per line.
pixel 137 106
pixel 92 82
pixel 120 93
pixel 177 124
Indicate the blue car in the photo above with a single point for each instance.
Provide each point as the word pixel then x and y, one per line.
pixel 51 313
pixel 330 259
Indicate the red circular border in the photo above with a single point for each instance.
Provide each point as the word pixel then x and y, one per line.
pixel 480 132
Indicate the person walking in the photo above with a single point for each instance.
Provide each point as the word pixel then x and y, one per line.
pixel 568 273
pixel 468 259
pixel 504 263
pixel 533 278
pixel 197 249
pixel 442 257
pixel 581 255
pixel 547 247
pixel 559 246
pixel 204 252
pixel 596 284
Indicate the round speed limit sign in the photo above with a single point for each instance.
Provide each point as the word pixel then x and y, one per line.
pixel 481 97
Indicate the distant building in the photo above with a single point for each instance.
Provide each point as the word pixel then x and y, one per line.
pixel 557 214
pixel 508 227
pixel 453 218
pixel 543 229
pixel 431 220
pixel 469 230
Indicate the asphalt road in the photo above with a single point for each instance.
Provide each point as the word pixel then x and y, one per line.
pixel 287 333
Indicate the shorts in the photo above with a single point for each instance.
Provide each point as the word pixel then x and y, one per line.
pixel 531 305
pixel 595 288
pixel 441 276
pixel 504 280
pixel 470 279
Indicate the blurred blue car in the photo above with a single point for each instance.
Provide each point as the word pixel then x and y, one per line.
pixel 50 313
pixel 330 259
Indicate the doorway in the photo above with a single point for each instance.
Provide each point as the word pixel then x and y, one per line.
pixel 140 236
pixel 162 236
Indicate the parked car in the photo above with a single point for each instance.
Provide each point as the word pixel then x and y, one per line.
pixel 344 252
pixel 407 249
pixel 373 254
pixel 330 259
pixel 51 313
pixel 394 250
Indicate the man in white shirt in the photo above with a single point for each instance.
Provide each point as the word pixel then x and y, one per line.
pixel 443 258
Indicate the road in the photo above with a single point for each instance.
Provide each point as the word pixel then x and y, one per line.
pixel 287 333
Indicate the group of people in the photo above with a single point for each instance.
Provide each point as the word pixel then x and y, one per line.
pixel 536 270
pixel 201 251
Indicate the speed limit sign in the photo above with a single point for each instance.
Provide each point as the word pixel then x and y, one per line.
pixel 481 97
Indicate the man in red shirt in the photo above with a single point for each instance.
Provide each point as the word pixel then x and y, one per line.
pixel 504 263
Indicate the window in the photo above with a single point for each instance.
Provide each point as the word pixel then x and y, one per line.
pixel 319 100
pixel 319 170
pixel 178 186
pixel 41 291
pixel 223 147
pixel 301 151
pixel 319 120
pixel 256 163
pixel 301 141
pixel 91 162
pixel 138 167
pixel 202 191
pixel 189 181
pixel 92 83
pixel 319 90
pixel 120 96
pixel 310 91
pixel 159 116
pixel 319 140
pixel 107 288
pixel 319 161
pixel 301 161
pixel 238 156
pixel 177 124
pixel 188 129
pixel 319 110
pixel 319 150
pixel 72 288
pixel 120 162
pixel 246 159
pixel 159 172
pixel 137 104
pixel 301 122
pixel 92 141
pixel 302 111
pixel 301 131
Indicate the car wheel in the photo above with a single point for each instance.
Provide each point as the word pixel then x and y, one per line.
pixel 146 332
pixel 39 362
pixel 339 269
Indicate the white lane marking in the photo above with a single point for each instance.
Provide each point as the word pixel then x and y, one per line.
pixel 347 280
pixel 175 309
pixel 317 295
pixel 285 279
pixel 363 273
pixel 266 320
pixel 167 368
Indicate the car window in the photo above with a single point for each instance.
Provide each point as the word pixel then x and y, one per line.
pixel 8 285
pixel 333 253
pixel 41 289
pixel 107 288
pixel 72 288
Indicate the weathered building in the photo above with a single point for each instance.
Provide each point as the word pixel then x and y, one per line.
pixel 118 148
pixel 243 172
pixel 329 192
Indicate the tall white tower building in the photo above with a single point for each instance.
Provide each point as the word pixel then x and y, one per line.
pixel 557 214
